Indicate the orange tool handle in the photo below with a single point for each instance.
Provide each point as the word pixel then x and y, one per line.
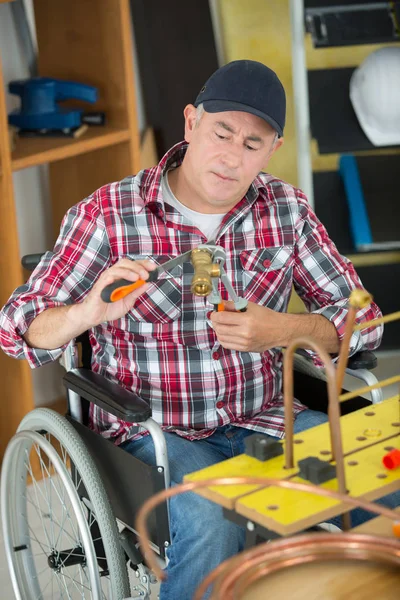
pixel 221 306
pixel 119 289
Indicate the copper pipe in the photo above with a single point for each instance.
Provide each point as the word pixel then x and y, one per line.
pixel 358 299
pixel 380 320
pixel 242 571
pixel 368 388
pixel 344 347
pixel 333 406
pixel 155 500
pixel 285 552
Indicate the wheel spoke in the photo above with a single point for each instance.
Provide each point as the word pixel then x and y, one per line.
pixel 45 481
pixel 73 540
pixel 62 500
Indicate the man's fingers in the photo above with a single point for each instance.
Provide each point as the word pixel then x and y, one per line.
pixel 227 318
pixel 142 267
pixel 222 329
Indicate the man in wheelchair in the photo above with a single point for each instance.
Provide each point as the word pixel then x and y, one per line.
pixel 210 378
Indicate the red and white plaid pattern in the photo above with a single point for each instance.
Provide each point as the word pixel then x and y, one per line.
pixel 164 349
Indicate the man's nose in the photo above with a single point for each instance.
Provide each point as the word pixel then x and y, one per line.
pixel 232 157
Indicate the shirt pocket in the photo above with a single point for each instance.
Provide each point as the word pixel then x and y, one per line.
pixel 162 303
pixel 267 275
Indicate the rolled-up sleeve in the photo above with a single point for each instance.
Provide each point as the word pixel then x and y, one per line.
pixel 64 276
pixel 324 279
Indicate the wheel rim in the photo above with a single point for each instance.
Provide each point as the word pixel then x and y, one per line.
pixel 62 554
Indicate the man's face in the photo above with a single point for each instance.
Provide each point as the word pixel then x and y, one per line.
pixel 226 152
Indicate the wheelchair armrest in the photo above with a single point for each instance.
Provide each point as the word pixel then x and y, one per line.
pixel 31 261
pixel 362 360
pixel 108 395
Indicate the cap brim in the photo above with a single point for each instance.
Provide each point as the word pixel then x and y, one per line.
pixel 215 106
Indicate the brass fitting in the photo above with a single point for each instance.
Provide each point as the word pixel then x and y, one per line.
pixel 360 298
pixel 204 269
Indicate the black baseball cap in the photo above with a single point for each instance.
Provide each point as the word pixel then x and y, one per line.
pixel 248 86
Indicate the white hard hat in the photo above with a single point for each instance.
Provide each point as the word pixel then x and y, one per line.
pixel 375 95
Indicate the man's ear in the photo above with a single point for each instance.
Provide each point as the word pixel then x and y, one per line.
pixel 190 121
pixel 276 146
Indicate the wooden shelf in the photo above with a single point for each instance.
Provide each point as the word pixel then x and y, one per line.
pixel 37 151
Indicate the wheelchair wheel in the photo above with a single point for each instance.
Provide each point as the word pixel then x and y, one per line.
pixel 60 535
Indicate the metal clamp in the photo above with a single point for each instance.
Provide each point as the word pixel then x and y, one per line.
pixel 217 259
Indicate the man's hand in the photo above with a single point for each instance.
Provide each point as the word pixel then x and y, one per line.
pixel 260 328
pixel 255 330
pixel 57 326
pixel 95 311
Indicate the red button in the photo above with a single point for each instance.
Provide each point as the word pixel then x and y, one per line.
pixel 216 355
pixel 210 312
pixel 266 263
pixel 220 405
pixel 161 213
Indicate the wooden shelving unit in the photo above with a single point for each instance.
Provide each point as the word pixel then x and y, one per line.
pixel 88 42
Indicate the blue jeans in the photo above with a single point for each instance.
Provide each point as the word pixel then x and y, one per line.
pixel 201 537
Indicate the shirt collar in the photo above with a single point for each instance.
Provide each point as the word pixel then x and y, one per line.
pixel 171 160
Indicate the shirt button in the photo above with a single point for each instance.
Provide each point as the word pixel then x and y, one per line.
pixel 160 213
pixel 266 263
pixel 220 405
pixel 216 355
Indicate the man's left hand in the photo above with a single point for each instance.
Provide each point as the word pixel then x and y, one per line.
pixel 255 330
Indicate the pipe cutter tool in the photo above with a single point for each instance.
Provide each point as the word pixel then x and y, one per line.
pixel 208 262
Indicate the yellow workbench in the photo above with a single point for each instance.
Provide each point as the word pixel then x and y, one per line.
pixel 367 435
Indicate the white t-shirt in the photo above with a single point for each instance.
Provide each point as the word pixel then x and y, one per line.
pixel 208 224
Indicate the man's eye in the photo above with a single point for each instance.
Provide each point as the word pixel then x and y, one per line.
pixel 221 137
pixel 250 147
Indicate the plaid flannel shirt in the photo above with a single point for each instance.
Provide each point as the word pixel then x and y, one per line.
pixel 164 349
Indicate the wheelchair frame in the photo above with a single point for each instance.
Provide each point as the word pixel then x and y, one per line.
pixel 124 494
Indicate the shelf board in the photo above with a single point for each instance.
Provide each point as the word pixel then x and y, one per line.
pixel 330 3
pixel 334 123
pixel 36 151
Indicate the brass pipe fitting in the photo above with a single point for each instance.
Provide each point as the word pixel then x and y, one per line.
pixel 204 270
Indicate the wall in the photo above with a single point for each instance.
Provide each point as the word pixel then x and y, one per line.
pixel 260 30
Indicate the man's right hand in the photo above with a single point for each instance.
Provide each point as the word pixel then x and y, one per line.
pixel 93 310
pixel 57 326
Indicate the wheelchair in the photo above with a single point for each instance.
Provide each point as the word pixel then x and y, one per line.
pixel 84 491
